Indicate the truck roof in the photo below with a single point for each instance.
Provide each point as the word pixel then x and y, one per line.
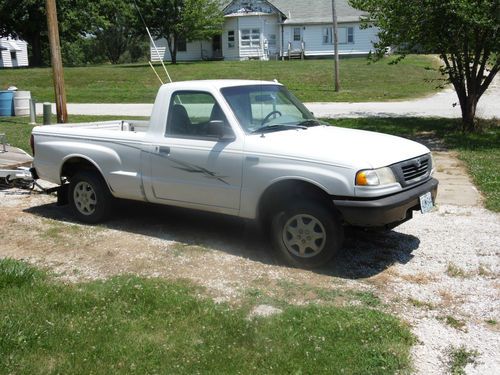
pixel 218 83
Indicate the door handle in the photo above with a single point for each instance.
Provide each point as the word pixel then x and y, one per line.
pixel 165 150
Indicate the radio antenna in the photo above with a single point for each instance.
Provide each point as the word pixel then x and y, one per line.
pixel 154 44
pixel 154 70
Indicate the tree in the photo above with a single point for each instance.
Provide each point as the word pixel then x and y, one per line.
pixel 176 19
pixel 27 20
pixel 116 28
pixel 465 34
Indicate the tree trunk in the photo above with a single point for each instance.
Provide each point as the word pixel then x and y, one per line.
pixel 36 50
pixel 174 50
pixel 172 47
pixel 468 104
pixel 469 113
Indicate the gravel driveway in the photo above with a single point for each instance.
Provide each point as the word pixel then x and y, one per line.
pixel 439 271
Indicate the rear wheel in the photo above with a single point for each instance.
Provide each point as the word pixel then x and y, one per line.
pixel 306 234
pixel 89 197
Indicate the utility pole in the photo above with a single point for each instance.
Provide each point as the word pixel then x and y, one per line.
pixel 55 57
pixel 336 48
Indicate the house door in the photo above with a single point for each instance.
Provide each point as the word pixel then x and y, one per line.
pixel 296 38
pixel 217 46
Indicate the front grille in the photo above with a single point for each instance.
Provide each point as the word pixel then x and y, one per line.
pixel 411 171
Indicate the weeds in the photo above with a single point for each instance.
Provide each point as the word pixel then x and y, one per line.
pixel 461 357
pixel 453 322
pixel 454 271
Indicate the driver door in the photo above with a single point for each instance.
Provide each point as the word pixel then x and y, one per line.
pixel 191 165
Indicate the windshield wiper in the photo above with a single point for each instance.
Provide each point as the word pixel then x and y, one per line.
pixel 277 127
pixel 309 123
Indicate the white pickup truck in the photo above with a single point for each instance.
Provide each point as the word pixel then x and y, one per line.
pixel 247 149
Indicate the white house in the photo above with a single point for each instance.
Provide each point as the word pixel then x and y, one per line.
pixel 272 29
pixel 13 53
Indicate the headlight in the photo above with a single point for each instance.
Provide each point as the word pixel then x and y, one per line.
pixel 375 177
pixel 433 165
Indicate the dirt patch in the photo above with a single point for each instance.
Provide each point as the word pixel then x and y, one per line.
pixel 405 271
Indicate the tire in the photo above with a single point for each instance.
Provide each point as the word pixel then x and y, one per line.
pixel 306 234
pixel 89 197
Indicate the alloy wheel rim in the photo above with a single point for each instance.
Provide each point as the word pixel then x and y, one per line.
pixel 85 198
pixel 304 236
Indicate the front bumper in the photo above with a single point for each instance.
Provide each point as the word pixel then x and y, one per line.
pixel 386 212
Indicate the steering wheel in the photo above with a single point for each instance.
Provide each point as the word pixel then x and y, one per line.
pixel 266 119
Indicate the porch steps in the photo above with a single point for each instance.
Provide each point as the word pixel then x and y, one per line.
pixel 296 55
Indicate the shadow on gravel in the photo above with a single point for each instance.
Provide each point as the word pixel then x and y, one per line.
pixel 365 253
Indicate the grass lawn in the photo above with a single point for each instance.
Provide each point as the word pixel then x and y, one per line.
pixel 150 326
pixel 310 80
pixel 480 152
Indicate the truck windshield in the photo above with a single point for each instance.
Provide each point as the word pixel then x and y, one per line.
pixel 267 108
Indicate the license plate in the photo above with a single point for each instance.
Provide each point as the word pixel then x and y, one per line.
pixel 426 202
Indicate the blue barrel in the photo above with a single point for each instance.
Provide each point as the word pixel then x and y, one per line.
pixel 7 103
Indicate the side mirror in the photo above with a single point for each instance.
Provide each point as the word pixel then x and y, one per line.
pixel 220 130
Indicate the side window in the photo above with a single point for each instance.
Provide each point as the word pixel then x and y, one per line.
pixel 350 35
pixel 296 34
pixel 230 39
pixel 327 35
pixel 194 114
pixel 181 44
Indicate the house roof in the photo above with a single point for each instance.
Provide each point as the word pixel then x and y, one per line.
pixel 9 44
pixel 317 11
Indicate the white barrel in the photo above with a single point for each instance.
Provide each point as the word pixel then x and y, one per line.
pixel 22 103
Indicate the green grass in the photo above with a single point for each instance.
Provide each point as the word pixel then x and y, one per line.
pixel 479 151
pixel 311 80
pixel 461 357
pixel 454 322
pixel 132 325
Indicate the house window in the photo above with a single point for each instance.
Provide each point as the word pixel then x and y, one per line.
pixel 250 37
pixel 13 55
pixel 296 34
pixel 350 35
pixel 271 40
pixel 327 35
pixel 181 44
pixel 345 35
pixel 230 39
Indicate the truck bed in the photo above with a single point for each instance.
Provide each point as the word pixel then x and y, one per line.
pixel 136 126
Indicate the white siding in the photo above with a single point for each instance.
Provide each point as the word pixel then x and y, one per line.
pixel 21 56
pixel 231 24
pixel 313 38
pixel 267 25
pixel 193 50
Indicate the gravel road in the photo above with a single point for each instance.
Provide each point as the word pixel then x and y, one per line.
pixel 439 271
pixel 441 104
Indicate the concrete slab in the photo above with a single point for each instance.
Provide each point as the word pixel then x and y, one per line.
pixel 13 158
pixel 455 186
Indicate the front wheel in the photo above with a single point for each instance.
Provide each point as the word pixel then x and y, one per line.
pixel 89 197
pixel 306 234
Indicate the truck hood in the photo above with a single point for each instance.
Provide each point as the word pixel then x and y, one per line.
pixel 357 149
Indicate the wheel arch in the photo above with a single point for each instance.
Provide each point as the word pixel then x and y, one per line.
pixel 279 192
pixel 76 163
